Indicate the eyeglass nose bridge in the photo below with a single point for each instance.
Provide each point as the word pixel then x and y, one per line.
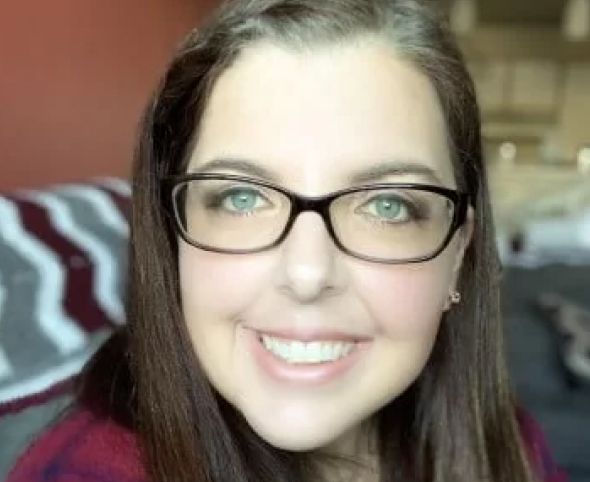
pixel 317 204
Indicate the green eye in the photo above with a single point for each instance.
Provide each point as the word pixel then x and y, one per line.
pixel 389 208
pixel 241 200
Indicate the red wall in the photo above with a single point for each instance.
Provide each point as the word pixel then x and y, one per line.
pixel 74 77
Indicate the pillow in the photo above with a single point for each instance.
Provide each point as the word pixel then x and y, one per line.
pixel 63 263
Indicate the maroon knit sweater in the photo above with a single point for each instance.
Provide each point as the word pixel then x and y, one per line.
pixel 83 447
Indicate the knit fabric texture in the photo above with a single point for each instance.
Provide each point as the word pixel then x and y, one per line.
pixel 83 447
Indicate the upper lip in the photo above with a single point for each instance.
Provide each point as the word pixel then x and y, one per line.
pixel 312 334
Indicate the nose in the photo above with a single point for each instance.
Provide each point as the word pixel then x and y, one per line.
pixel 308 265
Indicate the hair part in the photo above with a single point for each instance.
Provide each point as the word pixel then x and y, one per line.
pixel 457 421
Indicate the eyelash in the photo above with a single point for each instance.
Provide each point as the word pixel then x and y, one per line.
pixel 414 212
pixel 215 200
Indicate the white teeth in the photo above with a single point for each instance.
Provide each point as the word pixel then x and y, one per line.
pixel 312 352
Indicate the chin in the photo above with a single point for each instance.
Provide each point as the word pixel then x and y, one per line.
pixel 293 437
pixel 296 442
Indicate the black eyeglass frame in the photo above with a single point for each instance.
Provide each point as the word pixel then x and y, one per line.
pixel 318 204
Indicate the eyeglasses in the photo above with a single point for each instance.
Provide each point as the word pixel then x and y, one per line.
pixel 386 223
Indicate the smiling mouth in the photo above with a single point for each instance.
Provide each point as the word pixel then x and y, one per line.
pixel 310 358
pixel 296 352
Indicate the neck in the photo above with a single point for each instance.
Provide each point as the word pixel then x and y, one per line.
pixel 353 457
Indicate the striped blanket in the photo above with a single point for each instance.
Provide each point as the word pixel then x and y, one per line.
pixel 63 257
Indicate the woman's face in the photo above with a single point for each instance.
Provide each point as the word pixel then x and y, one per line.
pixel 313 118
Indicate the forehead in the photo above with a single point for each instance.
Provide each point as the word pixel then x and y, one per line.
pixel 314 117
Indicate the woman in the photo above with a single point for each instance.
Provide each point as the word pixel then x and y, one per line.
pixel 314 280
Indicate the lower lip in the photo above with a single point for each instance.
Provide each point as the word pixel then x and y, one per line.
pixel 308 374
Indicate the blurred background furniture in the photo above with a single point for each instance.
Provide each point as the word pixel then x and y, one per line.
pixel 63 263
pixel 559 400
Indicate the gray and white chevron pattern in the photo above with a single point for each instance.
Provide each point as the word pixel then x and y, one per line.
pixel 63 262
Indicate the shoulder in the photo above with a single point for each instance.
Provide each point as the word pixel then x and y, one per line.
pixel 81 447
pixel 538 448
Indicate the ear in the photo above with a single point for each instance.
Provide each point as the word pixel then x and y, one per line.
pixel 465 237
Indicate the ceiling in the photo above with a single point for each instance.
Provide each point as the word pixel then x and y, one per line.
pixel 523 12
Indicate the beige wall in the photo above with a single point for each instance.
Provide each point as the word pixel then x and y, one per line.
pixel 534 90
pixel 75 75
pixel 574 116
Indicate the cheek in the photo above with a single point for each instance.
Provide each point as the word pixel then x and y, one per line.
pixel 217 285
pixel 215 290
pixel 405 301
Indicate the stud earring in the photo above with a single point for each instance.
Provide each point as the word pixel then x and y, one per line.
pixel 455 297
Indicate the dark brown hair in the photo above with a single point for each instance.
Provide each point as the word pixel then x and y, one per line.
pixel 455 423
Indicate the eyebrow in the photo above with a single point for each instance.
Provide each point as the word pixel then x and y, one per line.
pixel 361 176
pixel 393 168
pixel 241 165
